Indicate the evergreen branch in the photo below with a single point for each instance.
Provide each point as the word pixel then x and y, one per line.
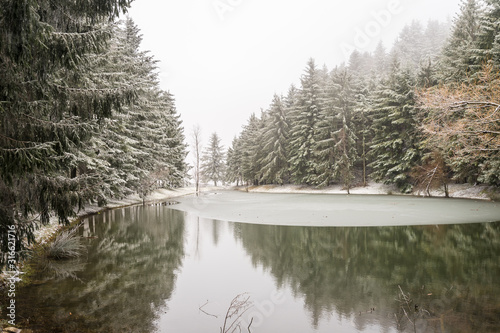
pixel 18 141
pixel 79 34
pixel 91 90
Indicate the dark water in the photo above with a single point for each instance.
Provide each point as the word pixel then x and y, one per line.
pixel 154 269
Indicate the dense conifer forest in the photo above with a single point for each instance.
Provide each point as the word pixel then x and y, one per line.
pixel 82 117
pixel 420 115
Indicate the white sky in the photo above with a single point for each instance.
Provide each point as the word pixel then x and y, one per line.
pixel 225 59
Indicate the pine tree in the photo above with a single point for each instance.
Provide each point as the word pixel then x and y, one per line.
pixel 409 47
pixel 303 161
pixel 380 59
pixel 363 89
pixel 274 144
pixel 457 58
pixel 234 171
pixel 345 154
pixel 488 37
pixel 434 38
pixel 213 166
pixel 249 145
pixel 327 124
pixel 395 145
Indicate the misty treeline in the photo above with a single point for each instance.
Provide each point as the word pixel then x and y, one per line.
pixel 82 117
pixel 419 116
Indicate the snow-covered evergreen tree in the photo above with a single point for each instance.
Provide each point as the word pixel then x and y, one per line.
pixel 380 60
pixel 327 124
pixel 303 160
pixel 488 37
pixel 457 58
pixel 434 37
pixel 394 148
pixel 336 140
pixel 274 144
pixel 417 44
pixel 409 46
pixel 249 146
pixel 234 173
pixel 146 140
pixel 92 124
pixel 213 160
pixel 345 154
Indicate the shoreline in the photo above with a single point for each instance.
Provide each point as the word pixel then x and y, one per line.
pixel 462 191
pixel 45 232
pixel 456 191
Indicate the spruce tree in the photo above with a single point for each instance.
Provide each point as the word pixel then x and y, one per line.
pixel 145 141
pixel 380 60
pixel 327 124
pixel 303 159
pixel 409 47
pixel 345 154
pixel 213 166
pixel 394 149
pixel 457 58
pixel 435 36
pixel 488 37
pixel 234 173
pixel 274 144
pixel 249 146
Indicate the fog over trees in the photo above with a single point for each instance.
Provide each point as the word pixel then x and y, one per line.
pixel 420 115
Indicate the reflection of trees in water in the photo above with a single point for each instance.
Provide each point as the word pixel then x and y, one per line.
pixel 130 272
pixel 348 271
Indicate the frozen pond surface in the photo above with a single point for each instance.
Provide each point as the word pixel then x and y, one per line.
pixel 337 210
pixel 154 269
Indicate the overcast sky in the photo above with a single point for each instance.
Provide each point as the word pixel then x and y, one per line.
pixel 225 59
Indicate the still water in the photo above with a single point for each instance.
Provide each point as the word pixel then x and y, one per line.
pixel 156 269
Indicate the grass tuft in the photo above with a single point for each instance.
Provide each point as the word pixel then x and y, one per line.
pixel 67 245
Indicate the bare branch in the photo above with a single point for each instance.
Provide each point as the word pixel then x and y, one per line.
pixel 208 314
pixel 238 307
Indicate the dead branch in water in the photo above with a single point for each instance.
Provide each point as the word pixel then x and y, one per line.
pixel 239 305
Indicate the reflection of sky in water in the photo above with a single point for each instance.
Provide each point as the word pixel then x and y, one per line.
pixel 216 269
pixel 155 267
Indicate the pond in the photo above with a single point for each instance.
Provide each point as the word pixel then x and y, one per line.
pixel 160 269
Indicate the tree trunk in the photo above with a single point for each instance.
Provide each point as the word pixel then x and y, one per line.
pixel 364 163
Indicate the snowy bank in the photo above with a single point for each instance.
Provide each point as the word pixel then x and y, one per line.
pixel 371 188
pixel 464 191
pixel 46 231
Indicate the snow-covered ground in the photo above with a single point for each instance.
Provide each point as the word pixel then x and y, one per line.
pixel 371 188
pixel 45 232
pixel 456 190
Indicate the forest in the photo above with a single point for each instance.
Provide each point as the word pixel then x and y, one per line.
pixel 83 118
pixel 420 115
